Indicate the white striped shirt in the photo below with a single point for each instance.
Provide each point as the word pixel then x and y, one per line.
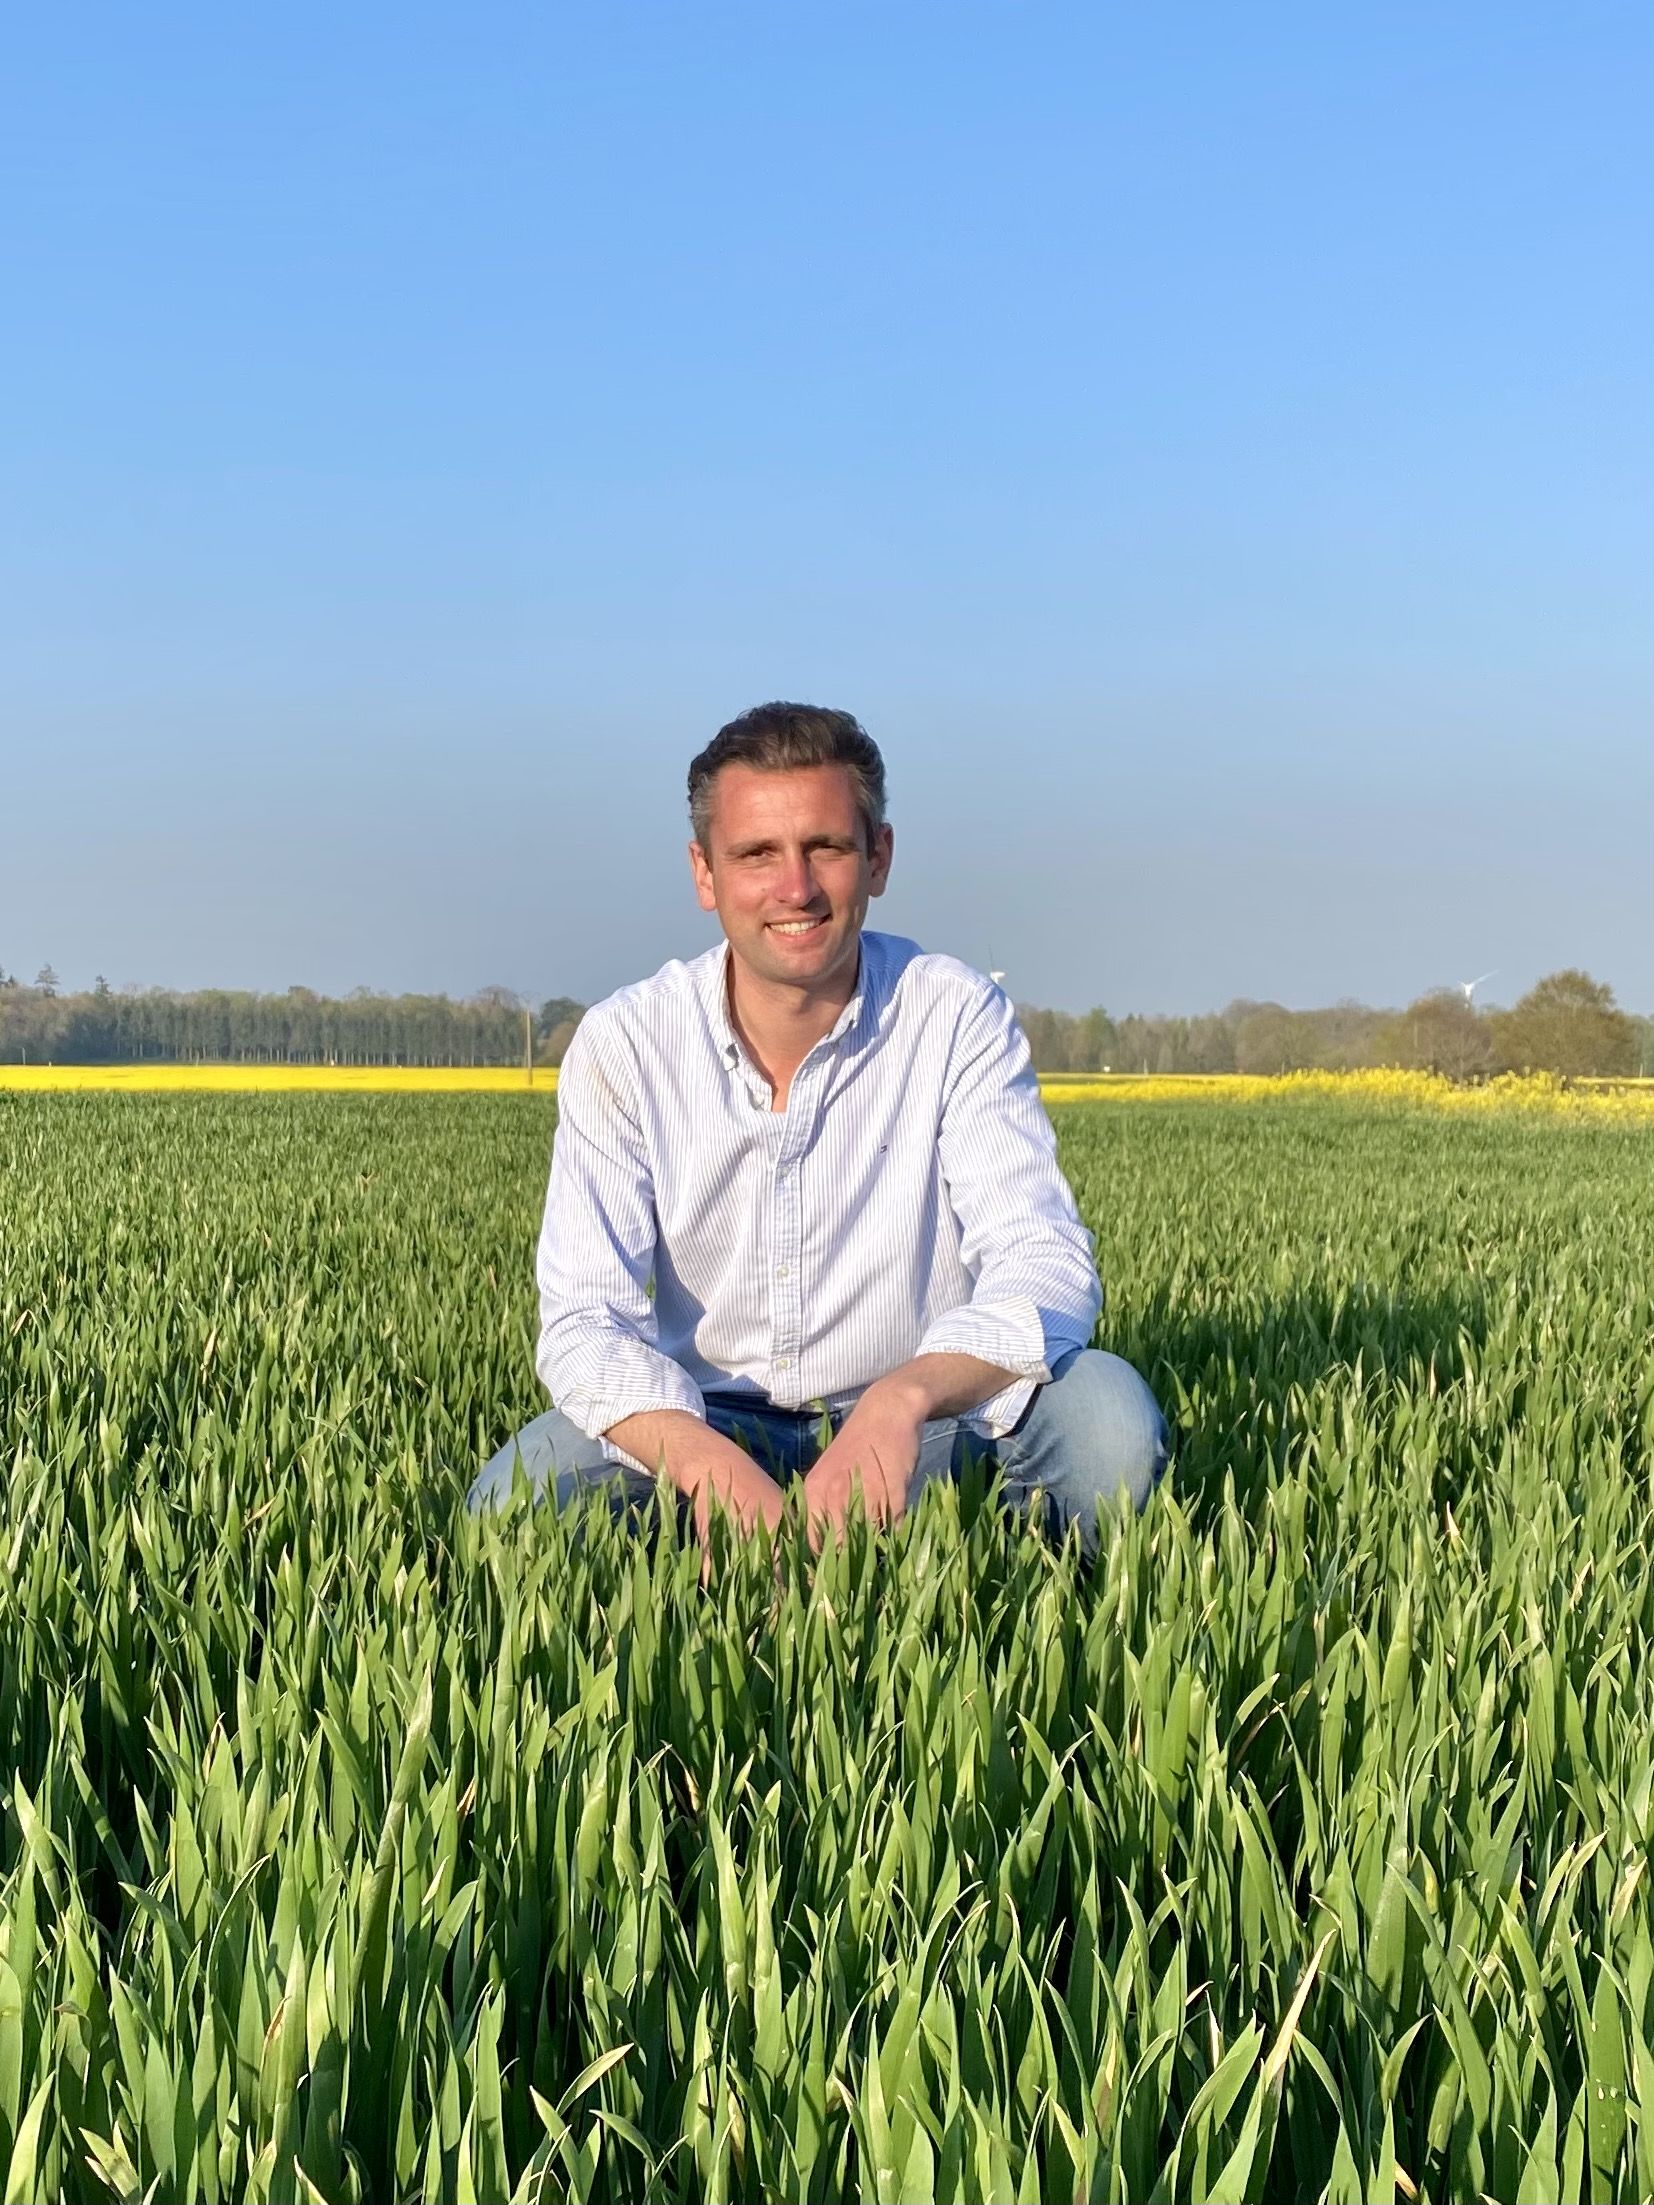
pixel 906 1202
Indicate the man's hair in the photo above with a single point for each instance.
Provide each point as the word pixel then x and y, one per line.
pixel 779 737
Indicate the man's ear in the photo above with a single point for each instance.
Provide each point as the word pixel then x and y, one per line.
pixel 883 849
pixel 702 873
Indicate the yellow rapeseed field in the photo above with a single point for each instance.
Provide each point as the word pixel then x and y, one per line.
pixel 1626 1102
pixel 1535 1094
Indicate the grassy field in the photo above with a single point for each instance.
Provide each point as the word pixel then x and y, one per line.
pixel 351 1850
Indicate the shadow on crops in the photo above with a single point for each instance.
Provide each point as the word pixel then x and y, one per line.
pixel 1241 1384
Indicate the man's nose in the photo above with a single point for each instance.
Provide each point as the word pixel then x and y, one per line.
pixel 795 882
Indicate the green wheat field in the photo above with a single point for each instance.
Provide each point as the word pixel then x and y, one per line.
pixel 352 1850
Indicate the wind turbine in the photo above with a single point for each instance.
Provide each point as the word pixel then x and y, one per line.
pixel 1467 988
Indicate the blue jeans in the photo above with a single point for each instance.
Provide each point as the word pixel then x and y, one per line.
pixel 1093 1432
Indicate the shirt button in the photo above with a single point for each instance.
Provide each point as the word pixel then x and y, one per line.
pixel 781 1270
pixel 783 1362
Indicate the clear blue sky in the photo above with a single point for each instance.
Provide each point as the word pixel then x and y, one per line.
pixel 1212 449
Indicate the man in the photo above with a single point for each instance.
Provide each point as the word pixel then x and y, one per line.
pixel 810 1172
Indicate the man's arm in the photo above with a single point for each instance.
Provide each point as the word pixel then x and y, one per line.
pixel 1036 1295
pixel 599 1350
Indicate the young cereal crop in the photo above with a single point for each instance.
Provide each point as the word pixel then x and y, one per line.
pixel 352 1850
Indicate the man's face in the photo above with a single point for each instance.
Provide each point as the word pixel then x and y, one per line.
pixel 789 872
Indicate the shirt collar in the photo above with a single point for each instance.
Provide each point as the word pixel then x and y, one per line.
pixel 862 1005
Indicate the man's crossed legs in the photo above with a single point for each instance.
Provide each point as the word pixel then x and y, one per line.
pixel 1093 1432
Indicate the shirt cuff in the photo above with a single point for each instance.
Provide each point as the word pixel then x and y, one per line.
pixel 1002 1412
pixel 595 1414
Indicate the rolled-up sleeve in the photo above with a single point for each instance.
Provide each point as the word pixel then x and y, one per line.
pixel 1035 1293
pixel 598 1351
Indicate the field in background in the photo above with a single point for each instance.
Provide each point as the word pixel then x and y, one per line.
pixel 1300 1849
pixel 275 1079
pixel 1628 1101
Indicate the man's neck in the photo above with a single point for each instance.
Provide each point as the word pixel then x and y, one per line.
pixel 779 1026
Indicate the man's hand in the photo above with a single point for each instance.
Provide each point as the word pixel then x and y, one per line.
pixel 878 1443
pixel 743 1491
pixel 708 1469
pixel 874 1452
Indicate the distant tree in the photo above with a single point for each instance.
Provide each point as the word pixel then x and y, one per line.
pixel 1094 1041
pixel 1567 1023
pixel 1043 1032
pixel 1343 1038
pixel 1444 1033
pixel 1211 1046
pixel 1060 1042
pixel 1267 1040
pixel 1136 1043
pixel 554 1047
pixel 46 980
pixel 557 1010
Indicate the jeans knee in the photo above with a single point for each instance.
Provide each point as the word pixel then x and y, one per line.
pixel 1109 1430
pixel 491 1488
pixel 551 1453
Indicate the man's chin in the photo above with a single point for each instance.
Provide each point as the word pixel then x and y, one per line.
pixel 804 956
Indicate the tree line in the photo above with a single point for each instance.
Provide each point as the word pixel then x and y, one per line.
pixel 1568 1023
pixel 41 1024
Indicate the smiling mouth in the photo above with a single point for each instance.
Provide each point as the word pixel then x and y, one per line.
pixel 796 928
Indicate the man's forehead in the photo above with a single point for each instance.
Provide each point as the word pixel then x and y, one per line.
pixel 748 800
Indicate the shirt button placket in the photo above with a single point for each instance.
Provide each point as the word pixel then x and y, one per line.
pixel 787 1328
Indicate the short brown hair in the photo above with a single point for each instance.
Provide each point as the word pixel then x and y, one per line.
pixel 778 737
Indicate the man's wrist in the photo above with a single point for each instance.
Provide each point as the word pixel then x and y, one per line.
pixel 905 1390
pixel 675 1442
pixel 936 1385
